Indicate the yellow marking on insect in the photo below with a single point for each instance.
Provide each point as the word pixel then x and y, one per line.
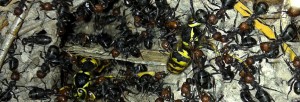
pixel 192 34
pixel 173 71
pixel 81 94
pixel 140 74
pixel 109 76
pixel 194 24
pixel 94 61
pixel 237 58
pixel 184 53
pixel 92 96
pixel 65 87
pixel 289 51
pixel 103 66
pixel 181 63
pixel 176 67
pixel 267 31
pixel 185 43
pixel 214 47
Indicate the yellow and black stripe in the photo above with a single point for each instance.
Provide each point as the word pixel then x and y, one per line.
pixel 179 60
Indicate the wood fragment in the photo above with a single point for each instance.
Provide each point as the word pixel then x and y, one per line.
pixel 152 57
pixel 12 33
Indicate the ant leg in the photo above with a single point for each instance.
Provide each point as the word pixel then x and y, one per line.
pixel 206 7
pixel 41 55
pixel 220 98
pixel 213 3
pixel 163 52
pixel 192 9
pixel 49 16
pixel 6 84
pixel 16 97
pixel 33 78
pixel 271 89
pixel 177 5
pixel 290 67
pixel 227 16
pixel 234 24
pixel 178 88
pixel 44 83
pixel 214 68
pixel 31 45
pixel 290 83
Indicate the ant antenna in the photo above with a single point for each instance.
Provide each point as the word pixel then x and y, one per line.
pixel 192 9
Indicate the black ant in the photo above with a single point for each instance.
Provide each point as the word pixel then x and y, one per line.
pixel 245 94
pixel 202 16
pixel 225 71
pixel 246 27
pixel 84 12
pixel 294 82
pixel 104 39
pixel 37 93
pixel 259 9
pixel 8 93
pixel 147 38
pixel 110 89
pixel 40 38
pixel 221 12
pixel 201 78
pixel 11 60
pixel 52 56
pixel 261 94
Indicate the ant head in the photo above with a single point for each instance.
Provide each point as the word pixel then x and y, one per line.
pixel 244 27
pixel 213 19
pixel 160 75
pixel 98 8
pixel 296 62
pixel 265 46
pixel 18 11
pixel 293 12
pixel 198 53
pixel 115 53
pixel 173 24
pixel 40 74
pixel 47 6
pixel 205 97
pixel 15 76
pixel 116 11
pixel 249 61
pixel 227 58
pixel 185 89
pixel 224 39
pixel 217 36
pixel 260 8
pixel 248 78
